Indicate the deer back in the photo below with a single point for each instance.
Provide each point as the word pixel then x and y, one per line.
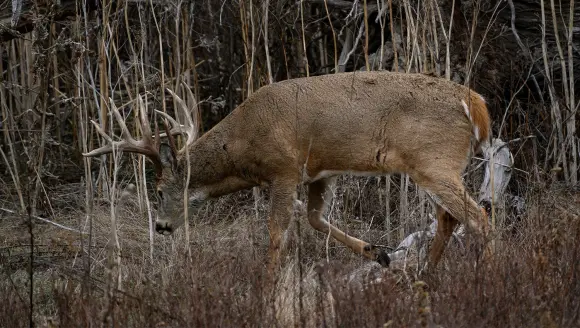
pixel 362 121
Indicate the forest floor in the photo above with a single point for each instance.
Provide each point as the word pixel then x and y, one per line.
pixel 219 279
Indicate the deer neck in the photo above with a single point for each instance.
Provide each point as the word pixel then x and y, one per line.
pixel 212 172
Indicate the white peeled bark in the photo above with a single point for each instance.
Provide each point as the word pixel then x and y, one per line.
pixel 492 191
pixel 493 188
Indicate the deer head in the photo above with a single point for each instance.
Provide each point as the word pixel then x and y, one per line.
pixel 170 174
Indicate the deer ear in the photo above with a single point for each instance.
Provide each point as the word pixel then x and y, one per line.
pixel 167 156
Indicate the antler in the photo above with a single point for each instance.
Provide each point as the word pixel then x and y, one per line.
pixel 146 146
pixel 189 128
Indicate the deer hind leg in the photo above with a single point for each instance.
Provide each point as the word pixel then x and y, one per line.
pixel 451 196
pixel 319 196
pixel 445 226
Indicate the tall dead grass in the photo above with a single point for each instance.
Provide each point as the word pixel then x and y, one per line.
pixel 531 282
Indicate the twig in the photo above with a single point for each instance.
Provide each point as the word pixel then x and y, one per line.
pixel 393 40
pixel 524 49
pixel 381 21
pixel 358 37
pixel 509 104
pixel 304 37
pixel 333 37
pixel 366 24
pixel 448 45
pixel 266 46
pixel 47 221
pixel 571 125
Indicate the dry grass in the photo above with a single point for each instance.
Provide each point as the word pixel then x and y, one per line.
pixel 532 281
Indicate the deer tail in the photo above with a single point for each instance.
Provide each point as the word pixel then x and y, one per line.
pixel 476 110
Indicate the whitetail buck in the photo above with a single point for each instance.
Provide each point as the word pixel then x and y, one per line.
pixel 309 130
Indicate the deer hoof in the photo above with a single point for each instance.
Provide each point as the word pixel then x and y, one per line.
pixel 383 259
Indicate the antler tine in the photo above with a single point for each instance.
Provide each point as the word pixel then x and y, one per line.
pixel 145 128
pixel 191 129
pixel 176 128
pixel 125 134
pixel 108 148
pixel 191 96
pixel 128 143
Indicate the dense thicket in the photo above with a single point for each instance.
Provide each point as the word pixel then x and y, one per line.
pixel 61 57
pixel 61 62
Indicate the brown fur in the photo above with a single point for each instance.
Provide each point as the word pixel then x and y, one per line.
pixel 291 132
pixel 479 114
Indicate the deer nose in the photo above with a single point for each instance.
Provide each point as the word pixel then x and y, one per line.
pixel 163 228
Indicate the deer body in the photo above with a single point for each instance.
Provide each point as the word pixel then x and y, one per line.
pixel 309 130
pixel 368 127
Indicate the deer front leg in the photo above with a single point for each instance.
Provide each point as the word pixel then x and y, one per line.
pixel 282 197
pixel 319 195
